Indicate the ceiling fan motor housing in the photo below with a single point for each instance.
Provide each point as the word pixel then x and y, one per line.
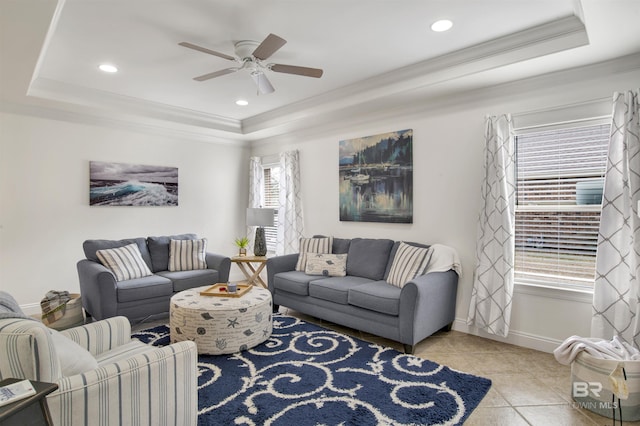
pixel 244 49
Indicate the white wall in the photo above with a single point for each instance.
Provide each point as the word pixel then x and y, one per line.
pixel 448 158
pixel 44 197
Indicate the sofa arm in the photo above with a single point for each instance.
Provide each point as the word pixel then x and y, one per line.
pixel 279 264
pixel 98 289
pixel 18 358
pixel 220 263
pixel 158 387
pixel 101 336
pixel 427 304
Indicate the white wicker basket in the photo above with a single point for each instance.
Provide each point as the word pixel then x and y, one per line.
pixel 591 387
pixel 73 314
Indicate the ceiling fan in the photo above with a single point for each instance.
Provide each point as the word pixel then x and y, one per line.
pixel 250 56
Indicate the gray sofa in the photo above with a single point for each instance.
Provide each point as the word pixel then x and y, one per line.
pixel 104 297
pixel 363 299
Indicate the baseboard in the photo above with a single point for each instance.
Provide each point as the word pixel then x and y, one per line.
pixel 31 309
pixel 518 338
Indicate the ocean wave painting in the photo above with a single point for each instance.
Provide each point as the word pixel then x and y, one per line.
pixel 120 184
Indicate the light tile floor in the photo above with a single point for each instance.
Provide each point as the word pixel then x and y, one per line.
pixel 529 387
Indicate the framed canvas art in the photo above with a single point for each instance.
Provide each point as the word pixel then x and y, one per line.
pixel 120 184
pixel 376 178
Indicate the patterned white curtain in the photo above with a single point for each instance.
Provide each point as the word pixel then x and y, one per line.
pixel 615 296
pixel 490 307
pixel 290 223
pixel 256 190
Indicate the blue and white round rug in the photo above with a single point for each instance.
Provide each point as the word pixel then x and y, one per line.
pixel 307 375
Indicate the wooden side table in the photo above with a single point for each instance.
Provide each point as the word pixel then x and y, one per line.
pixel 32 410
pixel 246 265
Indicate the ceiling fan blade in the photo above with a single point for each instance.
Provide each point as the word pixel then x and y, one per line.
pixel 269 46
pixel 205 50
pixel 292 69
pixel 263 83
pixel 215 74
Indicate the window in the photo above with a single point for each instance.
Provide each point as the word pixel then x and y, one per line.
pixel 272 201
pixel 559 178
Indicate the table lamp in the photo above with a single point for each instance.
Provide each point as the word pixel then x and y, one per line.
pixel 260 218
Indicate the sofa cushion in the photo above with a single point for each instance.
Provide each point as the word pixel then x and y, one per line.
pixel 125 262
pixel 328 265
pixel 183 280
pixel 408 262
pixel 335 289
pixel 295 282
pixel 159 250
pixel 339 245
pixel 187 255
pixel 368 257
pixel 91 247
pixel 144 288
pixel 378 296
pixel 312 245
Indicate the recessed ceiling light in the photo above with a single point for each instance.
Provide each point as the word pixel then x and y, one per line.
pixel 442 25
pixel 108 68
pixel 242 102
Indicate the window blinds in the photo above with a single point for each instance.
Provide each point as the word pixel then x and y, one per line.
pixel 560 177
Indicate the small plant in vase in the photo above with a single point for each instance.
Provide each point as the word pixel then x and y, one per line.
pixel 242 244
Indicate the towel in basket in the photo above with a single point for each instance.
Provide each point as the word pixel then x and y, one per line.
pixel 62 310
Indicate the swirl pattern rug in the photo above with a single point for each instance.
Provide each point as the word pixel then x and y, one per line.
pixel 308 375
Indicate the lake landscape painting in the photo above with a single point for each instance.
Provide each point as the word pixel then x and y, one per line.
pixel 120 184
pixel 376 178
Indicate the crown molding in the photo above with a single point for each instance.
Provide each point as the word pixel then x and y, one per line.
pixel 55 90
pixel 423 102
pixel 558 35
pixel 562 34
pixel 109 119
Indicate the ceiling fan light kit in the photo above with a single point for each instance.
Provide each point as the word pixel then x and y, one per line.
pixel 250 56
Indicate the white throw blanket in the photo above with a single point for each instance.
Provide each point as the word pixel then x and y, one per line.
pixel 442 258
pixel 597 348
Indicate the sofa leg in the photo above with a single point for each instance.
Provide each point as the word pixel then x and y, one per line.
pixel 447 327
pixel 276 308
pixel 408 349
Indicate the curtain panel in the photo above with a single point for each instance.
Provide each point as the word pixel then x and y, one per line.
pixel 615 295
pixel 492 293
pixel 290 226
pixel 256 191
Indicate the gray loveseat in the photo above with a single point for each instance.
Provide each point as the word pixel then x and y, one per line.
pixel 363 299
pixel 104 297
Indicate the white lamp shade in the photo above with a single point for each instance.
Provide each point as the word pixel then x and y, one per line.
pixel 260 217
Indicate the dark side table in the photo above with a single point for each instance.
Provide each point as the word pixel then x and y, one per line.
pixel 30 411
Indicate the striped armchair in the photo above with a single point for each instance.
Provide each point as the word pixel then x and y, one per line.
pixel 132 383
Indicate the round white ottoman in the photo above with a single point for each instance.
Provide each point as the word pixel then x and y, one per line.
pixel 221 325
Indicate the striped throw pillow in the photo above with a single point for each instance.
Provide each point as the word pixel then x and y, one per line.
pixel 312 245
pixel 408 263
pixel 187 255
pixel 125 262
